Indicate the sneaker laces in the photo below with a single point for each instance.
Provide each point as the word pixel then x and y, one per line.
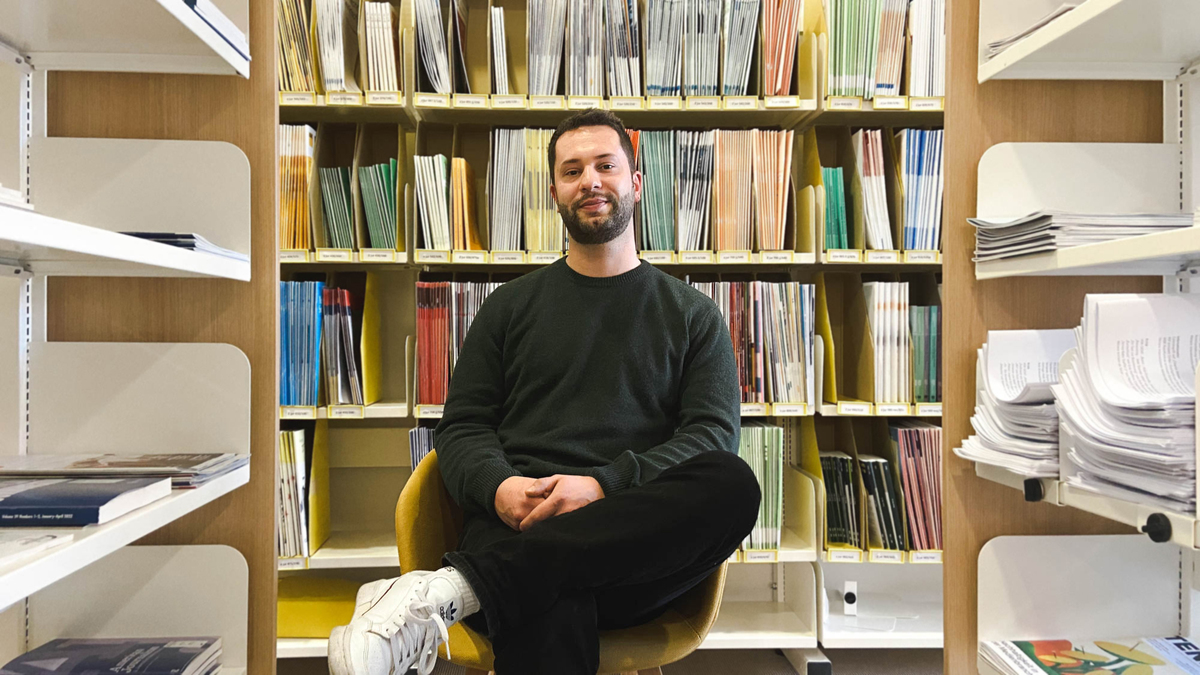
pixel 412 635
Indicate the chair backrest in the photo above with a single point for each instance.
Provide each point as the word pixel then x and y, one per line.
pixel 428 521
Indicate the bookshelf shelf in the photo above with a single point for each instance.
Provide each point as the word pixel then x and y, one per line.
pixel 57 247
pixel 356 549
pixel 759 625
pixel 784 118
pixel 1098 40
pixel 167 37
pixel 899 607
pixel 383 410
pixel 922 631
pixel 96 542
pixel 301 648
pixel 1160 254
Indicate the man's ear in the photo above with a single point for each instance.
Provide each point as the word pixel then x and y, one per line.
pixel 553 192
pixel 637 186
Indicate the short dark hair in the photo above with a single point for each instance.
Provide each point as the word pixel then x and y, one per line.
pixel 594 117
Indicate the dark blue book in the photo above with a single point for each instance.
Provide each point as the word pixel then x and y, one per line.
pixel 120 656
pixel 73 502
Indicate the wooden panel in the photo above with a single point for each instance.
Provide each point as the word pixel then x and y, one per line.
pixel 118 105
pixel 978 117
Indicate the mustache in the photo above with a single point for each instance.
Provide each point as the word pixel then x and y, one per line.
pixel 611 199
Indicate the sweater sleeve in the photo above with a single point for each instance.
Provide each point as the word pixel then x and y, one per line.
pixel 709 410
pixel 472 460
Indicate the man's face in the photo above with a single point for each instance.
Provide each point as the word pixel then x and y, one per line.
pixel 594 186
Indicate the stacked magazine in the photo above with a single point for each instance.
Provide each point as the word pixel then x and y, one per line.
pixel 185 470
pixel 1144 656
pixel 1045 231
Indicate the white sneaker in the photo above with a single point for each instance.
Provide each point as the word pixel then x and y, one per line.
pixel 399 623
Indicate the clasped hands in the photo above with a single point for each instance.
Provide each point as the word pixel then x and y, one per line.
pixel 521 502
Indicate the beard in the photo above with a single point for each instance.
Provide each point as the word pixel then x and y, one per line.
pixel 598 230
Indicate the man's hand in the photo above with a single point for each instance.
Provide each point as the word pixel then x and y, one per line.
pixel 513 502
pixel 561 494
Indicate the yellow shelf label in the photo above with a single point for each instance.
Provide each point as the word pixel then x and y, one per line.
pixel 883 256
pixel 703 103
pixel 293 255
pixel 696 257
pixel 346 412
pixel 740 103
pixel 384 98
pixel 887 409
pixel 288 564
pixel 343 98
pixel 422 100
pixel 925 557
pixel 773 257
pixel 471 101
pixel 297 98
pixel 432 256
pixel 844 103
pixel 627 103
pixel 297 412
pixel 929 409
pixel 508 257
pixel 789 409
pixel 927 103
pixel 429 412
pixel 547 103
pixel 377 255
pixel 842 255
pixel 665 102
pixel 584 102
pixel 922 256
pixel 659 257
pixel 853 408
pixel 755 410
pixel 471 257
pixel 544 257
pixel 733 257
pixel 735 557
pixel 887 556
pixel 760 556
pixel 890 103
pixel 334 255
pixel 508 102
pixel 776 102
pixel 844 555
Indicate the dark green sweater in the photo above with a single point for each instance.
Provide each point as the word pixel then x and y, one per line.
pixel 617 378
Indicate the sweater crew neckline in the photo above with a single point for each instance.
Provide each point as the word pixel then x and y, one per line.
pixel 624 279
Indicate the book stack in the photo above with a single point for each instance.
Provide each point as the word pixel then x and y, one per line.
pixel 462 204
pixel 889 67
pixel 918 447
pixel 543 224
pixel 1043 231
pixel 772 180
pixel 431 39
pixel 836 236
pixel 741 29
pixel 116 656
pixel 189 241
pixel 420 443
pixel 623 48
pixel 997 46
pixel 732 205
pixel 585 26
pixel 291 514
pixel 656 160
pixel 664 46
pixel 927 21
pixel 378 186
pixel 920 177
pixel 382 37
pixel 294 63
pixel 339 348
pixel 841 495
pixel 1015 421
pixel 445 311
pixel 761 445
pixel 504 189
pixel 185 470
pixel 925 327
pixel 337 200
pixel 781 28
pixel 701 47
pixel 546 25
pixel 500 81
pixel 872 174
pixel 695 187
pixel 885 521
pixel 433 200
pixel 887 314
pixel 1127 400
pixel 296 143
pixel 337 43
pixel 866 47
pixel 300 324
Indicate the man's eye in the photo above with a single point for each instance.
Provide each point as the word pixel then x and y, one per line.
pixel 606 167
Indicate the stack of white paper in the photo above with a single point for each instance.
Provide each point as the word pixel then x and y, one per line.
pixel 431 34
pixel 889 68
pixel 1043 231
pixel 868 150
pixel 1128 400
pixel 701 45
pixel 381 47
pixel 740 29
pixel 695 165
pixel 887 313
pixel 546 23
pixel 585 27
pixel 1015 417
pixel 543 224
pixel 664 46
pixel 433 200
pixel 499 54
pixel 921 178
pixel 997 46
pixel 337 40
pixel 927 24
pixel 623 47
pixel 504 189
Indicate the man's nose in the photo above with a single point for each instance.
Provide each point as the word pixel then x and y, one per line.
pixel 590 178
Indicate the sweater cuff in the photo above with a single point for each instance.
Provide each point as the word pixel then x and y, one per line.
pixel 618 475
pixel 488 477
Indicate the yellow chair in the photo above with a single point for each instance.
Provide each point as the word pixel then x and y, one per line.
pixel 427 526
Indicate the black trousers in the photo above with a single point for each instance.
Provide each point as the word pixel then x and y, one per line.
pixel 614 563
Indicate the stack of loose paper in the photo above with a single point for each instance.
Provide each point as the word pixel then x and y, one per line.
pixel 431 35
pixel 921 181
pixel 546 25
pixel 466 232
pixel 740 25
pixel 420 443
pixel 499 54
pixel 997 46
pixel 781 29
pixel 761 445
pixel 868 151
pixel 543 224
pixel 1015 418
pixel 695 166
pixel 299 341
pixel 623 47
pixel 343 384
pixel 296 144
pixel 918 445
pixel 788 341
pixel 731 191
pixel 890 63
pixel 226 28
pixel 337 201
pixel 337 38
pixel 841 499
pixel 378 186
pixel 506 180
pixel 381 47
pixel 772 179
pixel 1132 656
pixel 1127 402
pixel 585 25
pixel 887 314
pixel 1043 231
pixel 664 46
pixel 175 655
pixel 885 520
pixel 433 200
pixel 294 63
pixel 927 25
pixel 191 242
pixel 701 47
pixel 835 208
pixel 292 491
pixel 186 471
pixel 656 155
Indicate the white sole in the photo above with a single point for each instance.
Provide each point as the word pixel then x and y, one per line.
pixel 339 651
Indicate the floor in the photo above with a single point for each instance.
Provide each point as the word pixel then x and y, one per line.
pixel 741 662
